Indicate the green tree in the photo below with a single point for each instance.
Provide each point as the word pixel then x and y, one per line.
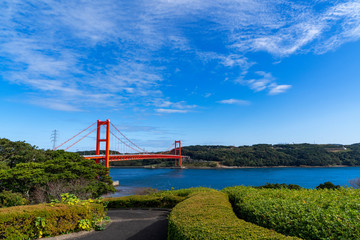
pixel 13 153
pixel 65 166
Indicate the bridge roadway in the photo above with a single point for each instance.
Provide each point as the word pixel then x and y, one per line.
pixel 127 157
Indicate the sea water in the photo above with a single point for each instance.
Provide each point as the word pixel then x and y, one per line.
pixel 131 179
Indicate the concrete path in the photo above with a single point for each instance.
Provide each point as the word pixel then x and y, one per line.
pixel 132 225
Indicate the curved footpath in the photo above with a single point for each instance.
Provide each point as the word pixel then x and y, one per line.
pixel 127 224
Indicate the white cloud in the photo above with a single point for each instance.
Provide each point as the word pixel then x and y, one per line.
pixel 277 89
pixel 164 110
pixel 165 103
pixel 265 82
pixel 234 101
pixel 55 105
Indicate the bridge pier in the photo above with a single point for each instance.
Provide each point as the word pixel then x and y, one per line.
pixel 177 151
pixel 106 140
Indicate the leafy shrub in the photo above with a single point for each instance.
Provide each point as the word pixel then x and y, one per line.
pixel 279 186
pixel 183 192
pixel 36 221
pixel 10 199
pixel 209 215
pixel 328 185
pixel 145 191
pixel 161 199
pixel 308 214
pixel 143 201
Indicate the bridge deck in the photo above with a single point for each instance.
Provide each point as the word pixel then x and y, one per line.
pixel 127 157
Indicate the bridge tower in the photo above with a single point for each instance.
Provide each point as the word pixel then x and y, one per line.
pixel 106 140
pixel 177 151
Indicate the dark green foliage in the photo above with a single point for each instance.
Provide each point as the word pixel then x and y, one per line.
pixel 13 153
pixel 279 186
pixel 198 163
pixel 65 166
pixel 266 155
pixel 161 199
pixel 328 185
pixel 308 214
pixel 10 199
pixel 145 162
pixel 209 216
pixel 143 201
pixel 30 169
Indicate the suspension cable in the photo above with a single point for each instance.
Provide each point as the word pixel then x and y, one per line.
pixel 169 149
pixel 80 139
pixel 143 150
pixel 74 136
pixel 125 143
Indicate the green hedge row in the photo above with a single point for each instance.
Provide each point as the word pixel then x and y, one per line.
pixel 34 221
pixel 162 199
pixel 209 215
pixel 143 201
pixel 309 214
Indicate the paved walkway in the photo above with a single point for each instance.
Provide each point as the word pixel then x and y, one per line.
pixel 132 225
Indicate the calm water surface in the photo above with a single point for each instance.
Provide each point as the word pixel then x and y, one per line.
pixel 163 179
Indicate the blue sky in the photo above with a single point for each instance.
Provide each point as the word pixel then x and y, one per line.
pixel 206 72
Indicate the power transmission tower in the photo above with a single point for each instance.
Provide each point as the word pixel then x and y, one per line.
pixel 54 137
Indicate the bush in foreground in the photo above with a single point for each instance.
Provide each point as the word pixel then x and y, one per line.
pixel 309 214
pixel 143 201
pixel 36 221
pixel 209 215
pixel 161 199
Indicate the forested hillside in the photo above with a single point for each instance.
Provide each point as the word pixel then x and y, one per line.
pixel 277 155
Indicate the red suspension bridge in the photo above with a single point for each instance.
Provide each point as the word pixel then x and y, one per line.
pixel 124 145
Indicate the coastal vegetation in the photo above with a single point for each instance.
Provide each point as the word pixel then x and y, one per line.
pixel 267 155
pixel 304 213
pixel 43 175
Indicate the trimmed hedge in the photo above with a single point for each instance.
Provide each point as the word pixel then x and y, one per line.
pixel 309 214
pixel 34 221
pixel 162 199
pixel 209 215
pixel 143 201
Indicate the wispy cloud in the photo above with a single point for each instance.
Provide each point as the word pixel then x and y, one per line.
pixel 165 106
pixel 55 105
pixel 265 82
pixel 277 89
pixel 234 101
pixel 165 110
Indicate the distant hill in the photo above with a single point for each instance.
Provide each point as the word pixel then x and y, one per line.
pixel 278 155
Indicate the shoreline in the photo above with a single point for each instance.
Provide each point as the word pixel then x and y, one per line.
pixel 233 167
